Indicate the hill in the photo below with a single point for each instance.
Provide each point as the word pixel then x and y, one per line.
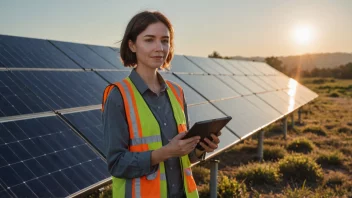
pixel 309 61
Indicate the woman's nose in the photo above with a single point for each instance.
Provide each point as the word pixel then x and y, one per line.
pixel 159 46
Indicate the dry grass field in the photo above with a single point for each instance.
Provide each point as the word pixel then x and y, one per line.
pixel 314 161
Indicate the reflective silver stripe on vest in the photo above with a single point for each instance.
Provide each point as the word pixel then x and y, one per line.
pixel 130 105
pixel 145 140
pixel 162 176
pixel 153 175
pixel 137 187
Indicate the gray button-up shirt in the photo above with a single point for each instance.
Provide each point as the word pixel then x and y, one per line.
pixel 125 164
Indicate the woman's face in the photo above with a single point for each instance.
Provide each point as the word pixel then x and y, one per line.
pixel 152 46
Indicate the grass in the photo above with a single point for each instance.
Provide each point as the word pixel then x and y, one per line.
pixel 300 168
pixel 327 159
pixel 258 174
pixel 301 145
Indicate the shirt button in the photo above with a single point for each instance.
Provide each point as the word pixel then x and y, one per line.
pixel 164 123
pixel 170 168
pixel 173 185
pixel 158 107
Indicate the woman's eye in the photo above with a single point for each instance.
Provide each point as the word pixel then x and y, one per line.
pixel 149 40
pixel 165 41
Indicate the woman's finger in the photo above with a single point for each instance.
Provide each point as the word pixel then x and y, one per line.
pixel 210 143
pixel 206 148
pixel 216 140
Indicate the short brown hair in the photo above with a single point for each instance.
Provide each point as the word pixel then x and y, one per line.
pixel 138 24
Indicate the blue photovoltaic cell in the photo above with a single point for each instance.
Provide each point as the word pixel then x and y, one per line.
pixel 243 113
pixel 209 65
pixel 225 63
pixel 181 64
pixel 209 86
pixel 108 54
pixel 249 84
pixel 43 157
pixel 231 82
pixel 278 103
pixel 83 56
pixel 64 89
pixel 248 65
pixel 16 99
pixel 114 76
pixel 206 112
pixel 191 96
pixel 90 125
pixel 32 53
pixel 264 84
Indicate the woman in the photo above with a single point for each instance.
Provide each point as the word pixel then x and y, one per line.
pixel 145 118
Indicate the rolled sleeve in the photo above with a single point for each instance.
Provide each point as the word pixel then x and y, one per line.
pixel 121 162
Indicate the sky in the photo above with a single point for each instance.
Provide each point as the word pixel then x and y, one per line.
pixel 230 27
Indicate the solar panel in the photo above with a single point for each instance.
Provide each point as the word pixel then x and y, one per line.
pixel 227 139
pixel 114 76
pixel 249 84
pixel 270 111
pixel 16 99
pixel 240 67
pixel 265 68
pixel 250 67
pixel 108 54
pixel 64 89
pixel 271 81
pixel 225 63
pixel 90 125
pixel 83 56
pixel 231 82
pixel 206 112
pixel 192 97
pixel 43 157
pixel 208 65
pixel 262 83
pixel 242 112
pixel 31 53
pixel 278 103
pixel 209 86
pixel 181 64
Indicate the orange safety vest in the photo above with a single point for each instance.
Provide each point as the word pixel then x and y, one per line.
pixel 145 135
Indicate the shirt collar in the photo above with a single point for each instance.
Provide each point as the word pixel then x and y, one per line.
pixel 141 85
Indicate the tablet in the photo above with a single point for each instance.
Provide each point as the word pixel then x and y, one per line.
pixel 207 127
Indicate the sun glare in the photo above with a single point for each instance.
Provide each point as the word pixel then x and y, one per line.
pixel 303 35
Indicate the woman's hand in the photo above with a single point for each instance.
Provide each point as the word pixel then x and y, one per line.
pixel 212 145
pixel 178 147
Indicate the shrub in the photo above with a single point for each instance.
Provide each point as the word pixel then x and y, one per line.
pixel 334 95
pixel 230 188
pixel 301 145
pixel 258 174
pixel 317 130
pixel 300 168
pixel 344 129
pixel 201 175
pixel 332 159
pixel 272 153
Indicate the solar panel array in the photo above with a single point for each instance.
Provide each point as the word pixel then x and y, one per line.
pixel 51 136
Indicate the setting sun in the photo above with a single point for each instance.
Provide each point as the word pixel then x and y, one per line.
pixel 303 35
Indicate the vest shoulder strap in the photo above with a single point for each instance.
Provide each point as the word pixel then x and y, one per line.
pixel 106 93
pixel 177 91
